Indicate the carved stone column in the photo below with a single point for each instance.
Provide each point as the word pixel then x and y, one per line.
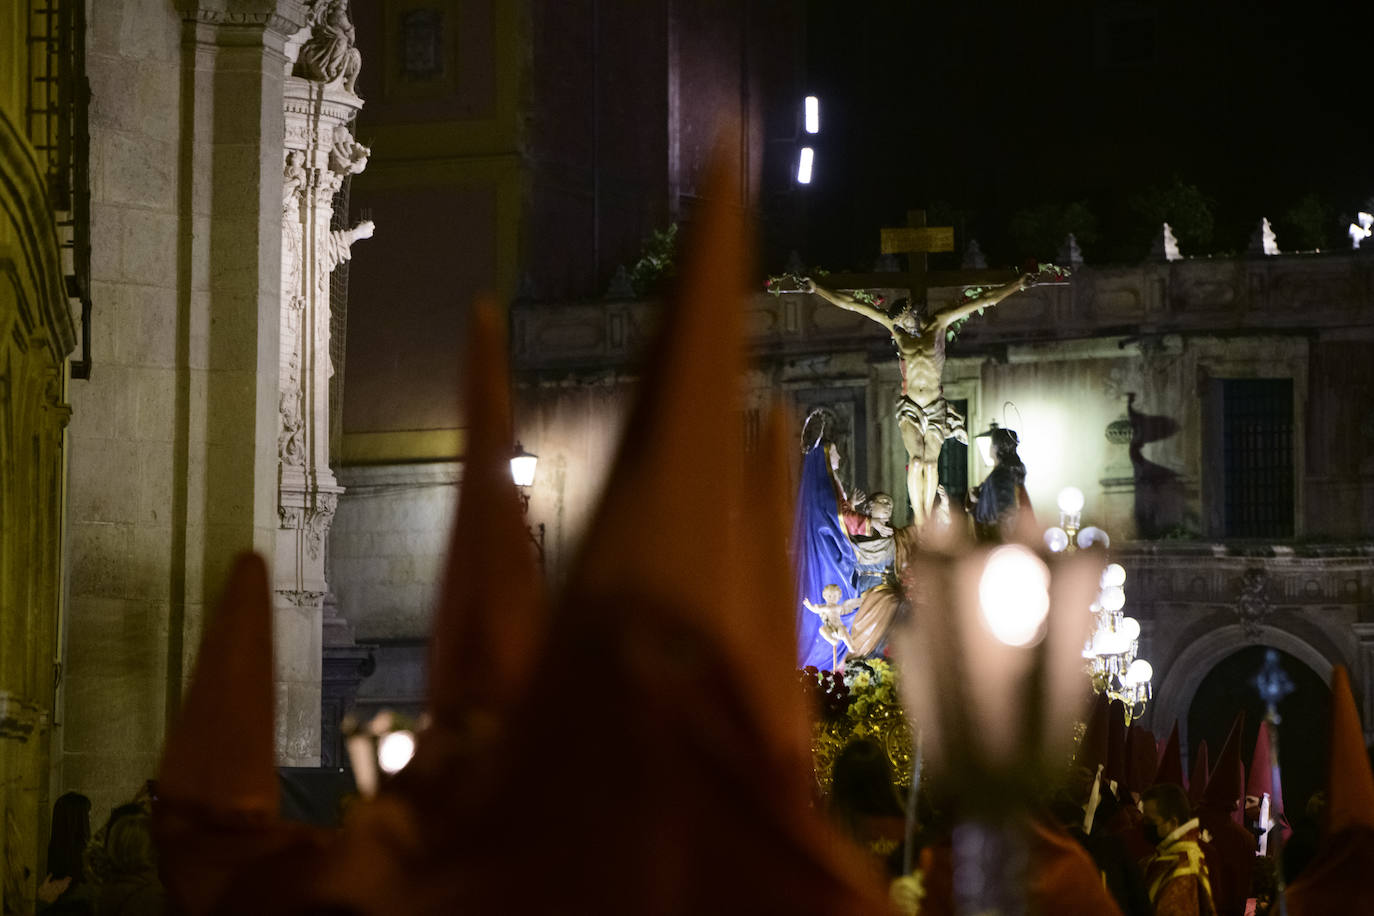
pixel 320 153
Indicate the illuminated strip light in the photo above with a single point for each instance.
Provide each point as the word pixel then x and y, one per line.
pixel 808 155
pixel 813 115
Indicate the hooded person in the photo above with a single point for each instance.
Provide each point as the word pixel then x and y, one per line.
pixel 1233 864
pixel 1142 759
pixel 1263 780
pixel 681 755
pixel 1170 769
pixel 1176 872
pixel 1337 880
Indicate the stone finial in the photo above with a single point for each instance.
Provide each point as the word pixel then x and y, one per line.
pixel 794 264
pixel 329 56
pixel 621 287
pixel 1070 255
pixel 886 263
pixel 1165 247
pixel 974 259
pixel 1263 241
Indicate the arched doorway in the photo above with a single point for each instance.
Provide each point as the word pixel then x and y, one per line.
pixel 1229 687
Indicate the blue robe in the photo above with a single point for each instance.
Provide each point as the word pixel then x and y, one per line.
pixel 821 555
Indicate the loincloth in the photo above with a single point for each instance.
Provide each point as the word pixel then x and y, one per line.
pixel 936 417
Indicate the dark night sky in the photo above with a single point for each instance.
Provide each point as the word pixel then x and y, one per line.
pixel 996 115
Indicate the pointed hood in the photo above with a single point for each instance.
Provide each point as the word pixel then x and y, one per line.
pixel 1141 759
pixel 490 619
pixel 1116 743
pixel 1261 778
pixel 221 755
pixel 1092 748
pixel 1170 769
pixel 1349 784
pixel 1197 783
pixel 1226 783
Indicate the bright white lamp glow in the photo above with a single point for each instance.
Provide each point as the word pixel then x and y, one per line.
pixel 1129 628
pixel 1113 575
pixel 808 156
pixel 1140 672
pixel 1071 500
pixel 1093 535
pixel 1113 598
pixel 1362 231
pixel 1056 539
pixel 395 750
pixel 1014 595
pixel 813 115
pixel 985 449
pixel 522 467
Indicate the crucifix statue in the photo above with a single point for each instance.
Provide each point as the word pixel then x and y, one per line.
pixel 924 418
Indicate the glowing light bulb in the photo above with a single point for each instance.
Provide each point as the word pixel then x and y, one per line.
pixel 1071 500
pixel 1093 535
pixel 1014 595
pixel 1056 539
pixel 1140 672
pixel 1129 628
pixel 1113 575
pixel 813 115
pixel 395 750
pixel 808 156
pixel 1113 598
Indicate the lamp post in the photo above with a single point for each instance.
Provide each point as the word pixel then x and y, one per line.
pixel 522 467
pixel 1111 649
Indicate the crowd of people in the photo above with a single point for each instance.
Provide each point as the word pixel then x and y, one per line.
pixel 1147 840
pixel 112 872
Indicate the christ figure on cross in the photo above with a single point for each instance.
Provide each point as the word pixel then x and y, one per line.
pixel 924 417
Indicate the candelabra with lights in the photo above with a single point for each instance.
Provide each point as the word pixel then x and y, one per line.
pixel 1111 649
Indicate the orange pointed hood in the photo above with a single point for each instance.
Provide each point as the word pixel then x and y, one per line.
pixel 221 754
pixel 1170 767
pixel 1197 782
pixel 1141 759
pixel 1349 784
pixel 1226 783
pixel 491 618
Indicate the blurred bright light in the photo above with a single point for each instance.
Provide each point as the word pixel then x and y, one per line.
pixel 1140 672
pixel 395 750
pixel 813 115
pixel 985 449
pixel 1071 500
pixel 1056 539
pixel 1113 598
pixel 1114 574
pixel 808 155
pixel 1093 535
pixel 1014 595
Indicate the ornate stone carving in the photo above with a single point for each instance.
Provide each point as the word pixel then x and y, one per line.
pixel 1253 604
pixel 329 56
pixel 317 522
pixel 347 156
pixel 302 598
pixel 291 431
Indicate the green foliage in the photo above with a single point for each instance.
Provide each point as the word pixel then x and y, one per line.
pixel 656 261
pixel 1310 223
pixel 1039 231
pixel 1186 209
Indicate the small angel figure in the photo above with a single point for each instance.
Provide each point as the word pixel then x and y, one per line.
pixel 833 629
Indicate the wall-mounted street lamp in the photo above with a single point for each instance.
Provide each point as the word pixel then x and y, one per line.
pixel 522 467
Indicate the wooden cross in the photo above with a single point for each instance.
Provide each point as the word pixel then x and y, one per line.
pixel 916 240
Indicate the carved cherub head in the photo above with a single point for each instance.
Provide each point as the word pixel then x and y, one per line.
pixel 831 594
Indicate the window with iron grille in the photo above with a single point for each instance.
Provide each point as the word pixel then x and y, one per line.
pixel 1257 457
pixel 954 460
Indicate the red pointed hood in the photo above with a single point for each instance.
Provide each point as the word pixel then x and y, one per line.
pixel 491 617
pixel 1116 743
pixel 1197 783
pixel 1261 778
pixel 1170 767
pixel 1092 747
pixel 1226 782
pixel 1141 759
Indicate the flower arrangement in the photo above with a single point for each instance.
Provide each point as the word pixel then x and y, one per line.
pixel 860 702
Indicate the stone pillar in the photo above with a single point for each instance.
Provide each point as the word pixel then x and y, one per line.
pixel 319 154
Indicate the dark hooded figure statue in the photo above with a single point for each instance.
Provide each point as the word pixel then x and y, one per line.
pixel 997 502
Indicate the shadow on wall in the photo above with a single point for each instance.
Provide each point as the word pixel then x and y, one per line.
pixel 1161 505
